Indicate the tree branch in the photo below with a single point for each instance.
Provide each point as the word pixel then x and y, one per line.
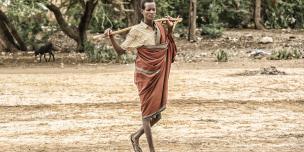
pixel 62 23
pixel 257 15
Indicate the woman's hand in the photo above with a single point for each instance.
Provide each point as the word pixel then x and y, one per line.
pixel 170 24
pixel 108 33
pixel 169 21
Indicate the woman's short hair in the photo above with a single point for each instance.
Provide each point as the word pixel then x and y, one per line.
pixel 142 4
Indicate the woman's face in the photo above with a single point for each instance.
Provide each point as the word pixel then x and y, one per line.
pixel 150 11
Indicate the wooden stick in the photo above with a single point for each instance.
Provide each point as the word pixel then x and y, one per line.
pixel 121 31
pixel 157 20
pixel 175 20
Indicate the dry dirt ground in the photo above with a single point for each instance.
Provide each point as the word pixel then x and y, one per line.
pixel 95 108
pixel 212 107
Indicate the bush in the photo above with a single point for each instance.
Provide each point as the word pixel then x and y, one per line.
pixel 221 56
pixel 103 54
pixel 99 54
pixel 285 55
pixel 280 55
pixel 28 17
pixel 213 28
pixel 283 14
pixel 297 54
pixel 236 13
pixel 212 31
pixel 105 17
pixel 126 58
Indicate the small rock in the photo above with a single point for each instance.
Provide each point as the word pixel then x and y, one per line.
pixel 292 37
pixel 234 40
pixel 266 40
pixel 176 35
pixel 204 54
pixel 116 9
pixel 257 53
pixel 30 52
pixel 249 35
pixel 192 41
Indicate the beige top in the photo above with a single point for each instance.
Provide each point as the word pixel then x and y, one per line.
pixel 141 34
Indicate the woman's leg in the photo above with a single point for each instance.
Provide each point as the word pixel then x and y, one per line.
pixel 140 132
pixel 135 137
pixel 148 132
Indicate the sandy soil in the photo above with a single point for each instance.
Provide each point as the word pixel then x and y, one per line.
pixel 71 105
pixel 96 107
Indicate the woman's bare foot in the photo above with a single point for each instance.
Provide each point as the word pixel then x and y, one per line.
pixel 135 143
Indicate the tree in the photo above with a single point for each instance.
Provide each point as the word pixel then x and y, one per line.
pixel 131 10
pixel 135 17
pixel 257 15
pixel 192 20
pixel 77 34
pixel 9 36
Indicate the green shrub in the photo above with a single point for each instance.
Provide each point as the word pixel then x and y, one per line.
pixel 283 14
pixel 285 55
pixel 213 28
pixel 236 13
pixel 105 17
pixel 126 58
pixel 281 55
pixel 221 56
pixel 28 18
pixel 103 54
pixel 212 31
pixel 99 54
pixel 297 54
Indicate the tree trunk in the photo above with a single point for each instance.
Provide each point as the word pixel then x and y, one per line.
pixel 79 34
pixel 136 17
pixel 84 23
pixel 192 20
pixel 257 15
pixel 6 41
pixel 9 36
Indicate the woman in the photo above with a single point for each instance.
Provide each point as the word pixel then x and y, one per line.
pixel 155 53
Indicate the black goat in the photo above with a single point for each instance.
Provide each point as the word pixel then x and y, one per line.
pixel 47 48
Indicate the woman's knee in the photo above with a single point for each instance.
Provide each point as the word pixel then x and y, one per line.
pixel 157 118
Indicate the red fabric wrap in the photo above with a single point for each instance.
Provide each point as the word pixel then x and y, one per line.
pixel 152 74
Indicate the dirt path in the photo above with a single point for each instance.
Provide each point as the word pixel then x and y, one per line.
pixel 95 108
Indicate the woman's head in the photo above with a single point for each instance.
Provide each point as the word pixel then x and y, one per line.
pixel 148 9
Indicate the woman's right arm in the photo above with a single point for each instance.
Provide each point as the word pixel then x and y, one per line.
pixel 116 46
